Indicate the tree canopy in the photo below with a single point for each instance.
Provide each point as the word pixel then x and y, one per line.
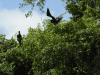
pixel 71 48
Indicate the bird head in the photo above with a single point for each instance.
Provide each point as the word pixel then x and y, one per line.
pixel 19 32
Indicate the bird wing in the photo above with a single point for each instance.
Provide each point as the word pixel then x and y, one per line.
pixel 49 14
pixel 60 17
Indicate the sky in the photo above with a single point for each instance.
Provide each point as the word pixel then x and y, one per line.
pixel 13 19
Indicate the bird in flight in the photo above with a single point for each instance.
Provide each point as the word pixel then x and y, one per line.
pixel 19 38
pixel 55 20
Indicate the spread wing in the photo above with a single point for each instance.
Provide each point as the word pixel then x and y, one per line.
pixel 60 17
pixel 49 14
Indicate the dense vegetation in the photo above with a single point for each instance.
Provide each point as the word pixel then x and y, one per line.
pixel 70 48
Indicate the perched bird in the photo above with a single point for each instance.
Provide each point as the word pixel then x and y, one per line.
pixel 55 20
pixel 19 38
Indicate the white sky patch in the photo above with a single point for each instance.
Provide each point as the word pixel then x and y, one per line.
pixel 52 13
pixel 15 20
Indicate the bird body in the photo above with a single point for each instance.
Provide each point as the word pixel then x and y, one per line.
pixel 19 37
pixel 55 20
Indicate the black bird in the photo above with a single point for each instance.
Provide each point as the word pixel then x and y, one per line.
pixel 54 20
pixel 19 38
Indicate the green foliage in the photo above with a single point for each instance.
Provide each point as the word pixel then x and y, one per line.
pixel 70 48
pixel 39 3
pixel 6 44
pixel 66 49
